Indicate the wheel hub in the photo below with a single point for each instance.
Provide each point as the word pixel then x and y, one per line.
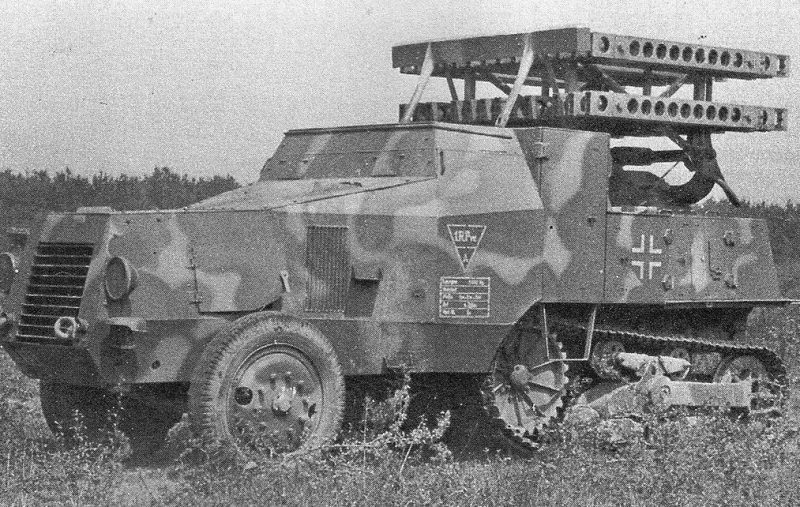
pixel 603 358
pixel 519 377
pixel 282 404
pixel 275 401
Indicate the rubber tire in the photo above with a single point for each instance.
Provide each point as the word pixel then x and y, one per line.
pixel 98 409
pixel 212 378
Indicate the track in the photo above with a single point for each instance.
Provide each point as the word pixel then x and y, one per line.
pixel 633 342
pixel 653 344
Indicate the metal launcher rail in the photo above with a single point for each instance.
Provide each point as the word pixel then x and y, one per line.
pixel 584 77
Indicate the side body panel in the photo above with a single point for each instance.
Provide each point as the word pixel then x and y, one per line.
pixel 572 169
pixel 678 258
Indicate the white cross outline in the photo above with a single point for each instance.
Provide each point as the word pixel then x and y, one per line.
pixel 650 264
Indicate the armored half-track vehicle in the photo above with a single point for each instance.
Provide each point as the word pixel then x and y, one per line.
pixel 525 238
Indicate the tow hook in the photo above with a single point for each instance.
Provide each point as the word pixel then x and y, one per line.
pixel 68 328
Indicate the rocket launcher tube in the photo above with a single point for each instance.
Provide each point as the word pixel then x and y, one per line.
pixel 501 52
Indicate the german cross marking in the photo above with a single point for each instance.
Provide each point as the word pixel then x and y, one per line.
pixel 649 264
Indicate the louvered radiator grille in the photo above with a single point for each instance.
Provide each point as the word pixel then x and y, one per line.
pixel 328 267
pixel 55 288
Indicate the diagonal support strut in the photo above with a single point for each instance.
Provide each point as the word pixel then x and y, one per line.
pixel 424 76
pixel 525 64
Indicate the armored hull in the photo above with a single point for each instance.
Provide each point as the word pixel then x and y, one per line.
pixel 424 255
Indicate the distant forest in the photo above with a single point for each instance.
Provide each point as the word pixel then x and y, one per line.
pixel 24 196
pixel 784 235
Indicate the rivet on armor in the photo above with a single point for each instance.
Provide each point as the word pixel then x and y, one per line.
pixel 668 282
pixel 729 238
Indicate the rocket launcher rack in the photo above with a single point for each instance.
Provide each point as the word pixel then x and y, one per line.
pixel 583 77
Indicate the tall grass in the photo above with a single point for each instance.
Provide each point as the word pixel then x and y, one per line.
pixel 714 459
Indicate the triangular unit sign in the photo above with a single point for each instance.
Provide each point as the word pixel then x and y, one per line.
pixel 466 239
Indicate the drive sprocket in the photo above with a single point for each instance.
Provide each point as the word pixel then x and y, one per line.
pixel 524 391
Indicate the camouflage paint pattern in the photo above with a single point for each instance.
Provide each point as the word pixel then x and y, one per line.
pixel 418 244
pixel 654 258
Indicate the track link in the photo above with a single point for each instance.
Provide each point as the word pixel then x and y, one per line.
pixel 772 362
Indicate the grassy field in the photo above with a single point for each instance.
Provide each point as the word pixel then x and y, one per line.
pixel 686 461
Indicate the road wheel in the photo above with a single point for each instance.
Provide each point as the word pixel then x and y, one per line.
pixel 268 385
pixel 81 414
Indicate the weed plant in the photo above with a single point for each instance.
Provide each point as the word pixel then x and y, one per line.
pixel 388 458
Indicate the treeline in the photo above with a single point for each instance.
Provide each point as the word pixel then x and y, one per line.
pixel 25 196
pixel 784 236
pixel 783 220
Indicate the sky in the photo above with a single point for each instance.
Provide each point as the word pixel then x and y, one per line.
pixel 209 87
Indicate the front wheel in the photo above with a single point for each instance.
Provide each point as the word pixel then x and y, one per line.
pixel 268 385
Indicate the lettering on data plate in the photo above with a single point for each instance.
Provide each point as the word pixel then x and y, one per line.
pixel 464 297
pixel 466 239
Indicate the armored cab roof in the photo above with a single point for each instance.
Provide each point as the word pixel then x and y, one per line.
pixel 584 76
pixel 377 150
pixel 328 168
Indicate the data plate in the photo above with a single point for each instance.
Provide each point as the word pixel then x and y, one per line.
pixel 464 297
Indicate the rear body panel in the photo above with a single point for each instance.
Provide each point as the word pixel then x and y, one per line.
pixel 652 258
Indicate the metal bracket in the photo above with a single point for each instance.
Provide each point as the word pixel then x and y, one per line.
pixel 285 281
pixel 587 347
pixel 587 350
pixel 491 78
pixel 451 85
pixel 540 150
pixel 195 289
pixel 545 330
pixel 608 80
pixel 134 324
pixel 674 87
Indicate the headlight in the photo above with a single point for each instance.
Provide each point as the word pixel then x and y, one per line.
pixel 8 270
pixel 120 278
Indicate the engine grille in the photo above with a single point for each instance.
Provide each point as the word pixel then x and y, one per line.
pixel 329 268
pixel 55 288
